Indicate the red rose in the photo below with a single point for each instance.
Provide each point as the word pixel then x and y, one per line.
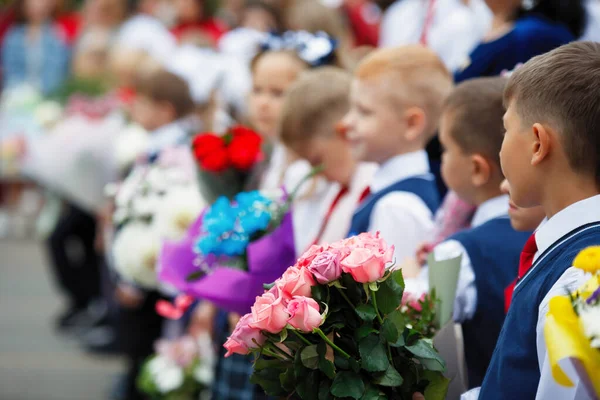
pixel 240 132
pixel 243 154
pixel 216 161
pixel 205 144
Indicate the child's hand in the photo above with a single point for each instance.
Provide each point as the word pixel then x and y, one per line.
pixel 203 319
pixel 418 396
pixel 128 296
pixel 234 318
pixel 410 268
pixel 422 252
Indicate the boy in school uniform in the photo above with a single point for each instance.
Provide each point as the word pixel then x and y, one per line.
pixel 471 134
pixel 396 99
pixel 550 157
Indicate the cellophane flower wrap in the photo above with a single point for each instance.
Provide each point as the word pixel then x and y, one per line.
pixel 232 249
pixel 226 161
pixel 157 201
pixel 572 327
pixel 180 370
pixel 332 326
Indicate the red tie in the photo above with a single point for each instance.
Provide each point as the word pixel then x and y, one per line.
pixel 366 193
pixel 525 263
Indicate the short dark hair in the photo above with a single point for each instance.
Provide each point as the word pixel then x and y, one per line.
pixel 166 87
pixel 20 15
pixel 561 88
pixel 477 109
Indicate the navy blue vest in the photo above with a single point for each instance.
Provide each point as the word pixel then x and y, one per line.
pixel 494 249
pixel 423 186
pixel 514 371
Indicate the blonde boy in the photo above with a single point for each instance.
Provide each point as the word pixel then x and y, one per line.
pixel 396 100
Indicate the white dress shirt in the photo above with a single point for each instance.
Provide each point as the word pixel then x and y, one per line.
pixel 572 217
pixel 455 30
pixel 465 302
pixel 402 217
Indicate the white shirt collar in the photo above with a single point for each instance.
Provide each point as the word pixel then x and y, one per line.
pixel 490 209
pixel 400 167
pixel 572 217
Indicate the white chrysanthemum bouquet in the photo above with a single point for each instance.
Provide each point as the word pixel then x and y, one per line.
pixel 157 201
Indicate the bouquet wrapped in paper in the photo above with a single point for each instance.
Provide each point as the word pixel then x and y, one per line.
pixel 572 329
pixel 181 369
pixel 156 202
pixel 232 250
pixel 332 327
pixel 226 161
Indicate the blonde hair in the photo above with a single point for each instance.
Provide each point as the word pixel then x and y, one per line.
pixel 314 104
pixel 414 75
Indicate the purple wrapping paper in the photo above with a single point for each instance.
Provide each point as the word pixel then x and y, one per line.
pixel 230 289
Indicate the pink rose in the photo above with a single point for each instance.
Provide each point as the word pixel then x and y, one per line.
pixel 409 299
pixel 365 265
pixel 243 337
pixel 304 314
pixel 326 267
pixel 341 247
pixel 295 282
pixel 269 313
pixel 309 256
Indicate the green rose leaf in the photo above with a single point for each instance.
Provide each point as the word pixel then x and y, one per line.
pixel 348 384
pixel 268 380
pixel 389 331
pixel 433 365
pixel 390 378
pixel 424 349
pixel 308 388
pixel 437 387
pixel 389 295
pixel 310 357
pixel 354 365
pixel 373 393
pixel 325 365
pixel 373 354
pixel 363 331
pixel 366 312
pixel 287 380
pixel 324 389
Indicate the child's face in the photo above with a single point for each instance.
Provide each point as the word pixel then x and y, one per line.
pixel 38 11
pixel 333 154
pixel 515 158
pixel 189 10
pixel 457 165
pixel 258 19
pixel 272 76
pixel 522 219
pixel 151 114
pixel 373 123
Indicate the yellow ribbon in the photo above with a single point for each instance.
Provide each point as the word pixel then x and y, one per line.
pixel 565 338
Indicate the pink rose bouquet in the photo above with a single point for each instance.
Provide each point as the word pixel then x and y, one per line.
pixel 335 325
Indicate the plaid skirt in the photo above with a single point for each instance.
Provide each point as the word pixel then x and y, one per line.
pixel 232 380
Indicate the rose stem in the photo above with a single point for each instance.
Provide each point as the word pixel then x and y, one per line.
pixel 375 305
pixel 274 347
pixel 305 340
pixel 330 343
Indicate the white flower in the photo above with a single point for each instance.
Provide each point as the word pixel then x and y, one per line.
pixel 135 252
pixel 178 209
pixel 146 206
pixel 132 142
pixel 167 375
pixel 590 319
pixel 48 113
pixel 204 374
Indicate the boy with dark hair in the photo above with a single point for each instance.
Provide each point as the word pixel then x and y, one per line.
pixel 550 156
pixel 471 136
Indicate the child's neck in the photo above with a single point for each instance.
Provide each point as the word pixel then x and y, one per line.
pixel 488 193
pixel 557 197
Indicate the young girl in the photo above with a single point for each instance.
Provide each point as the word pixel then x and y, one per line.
pixel 33 52
pixel 310 116
pixel 195 23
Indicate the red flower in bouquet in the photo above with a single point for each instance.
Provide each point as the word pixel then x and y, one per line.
pixel 240 148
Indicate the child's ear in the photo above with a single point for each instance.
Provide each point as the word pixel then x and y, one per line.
pixel 542 143
pixel 481 170
pixel 416 120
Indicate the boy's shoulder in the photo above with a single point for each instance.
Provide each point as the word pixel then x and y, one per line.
pixel 494 238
